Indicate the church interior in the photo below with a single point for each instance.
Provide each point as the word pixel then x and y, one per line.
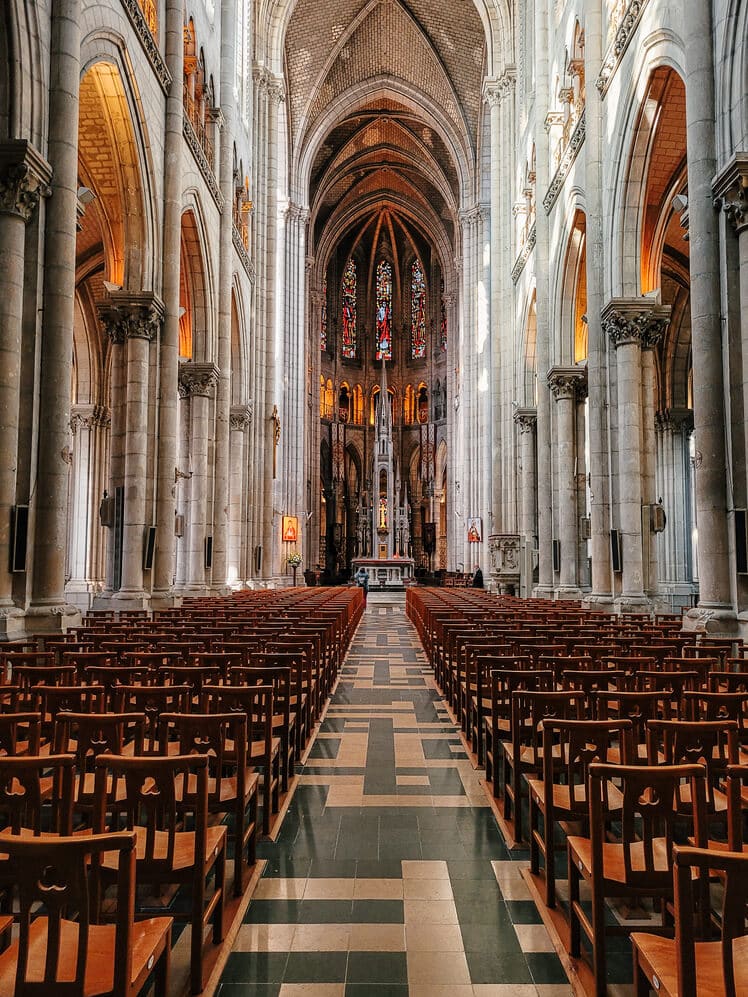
pixel 373 497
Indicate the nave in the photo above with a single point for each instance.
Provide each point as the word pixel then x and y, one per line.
pixel 389 876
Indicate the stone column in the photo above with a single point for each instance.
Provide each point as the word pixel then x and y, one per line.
pixel 168 373
pixel 526 421
pixel 87 556
pixel 716 609
pixel 674 428
pixel 48 610
pixel 649 456
pixel 583 557
pixel 199 381
pixel 23 180
pixel 238 424
pixel 563 383
pixel 632 324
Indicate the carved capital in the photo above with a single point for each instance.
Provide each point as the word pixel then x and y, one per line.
pixel 565 381
pixel 131 316
pixel 526 420
pixel 495 91
pixel 239 418
pixel 197 379
pixel 89 417
pixel 635 320
pixel 24 178
pixel 731 191
pixel 674 420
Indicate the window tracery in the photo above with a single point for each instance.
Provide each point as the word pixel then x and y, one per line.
pixel 350 280
pixel 384 311
pixel 417 312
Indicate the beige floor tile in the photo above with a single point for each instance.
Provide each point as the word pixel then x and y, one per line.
pixel 329 889
pixel 438 969
pixel 534 938
pixel 377 938
pixel 312 990
pixel 321 938
pixel 264 938
pixel 424 870
pixel 412 780
pixel 378 889
pixel 429 990
pixel 509 877
pixel 504 990
pixel 433 938
pixel 428 889
pixel 430 912
pixel 345 796
pixel 280 889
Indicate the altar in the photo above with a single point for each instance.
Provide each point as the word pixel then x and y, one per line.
pixel 386 573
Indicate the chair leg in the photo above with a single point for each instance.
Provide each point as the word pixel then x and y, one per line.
pixel 642 986
pixel 550 862
pixel 220 885
pixel 163 968
pixel 196 936
pixel 575 947
pixel 598 943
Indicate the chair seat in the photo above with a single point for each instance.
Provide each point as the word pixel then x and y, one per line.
pixel 184 848
pixel 148 939
pixel 562 798
pixel 613 860
pixel 227 792
pixel 658 956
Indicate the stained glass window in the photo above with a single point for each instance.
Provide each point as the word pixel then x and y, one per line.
pixel 349 311
pixel 323 318
pixel 384 311
pixel 443 335
pixel 417 312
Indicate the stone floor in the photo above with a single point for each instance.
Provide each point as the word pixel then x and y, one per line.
pixel 389 876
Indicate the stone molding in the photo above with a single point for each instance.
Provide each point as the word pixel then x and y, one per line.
pixel 89 417
pixel 474 215
pixel 197 379
pixel 564 382
pixel 730 188
pixel 674 420
pixel 241 252
pixel 240 418
pixel 635 320
pixel 524 255
pixel 617 48
pixel 202 161
pixel 24 178
pixel 567 161
pixel 146 39
pixel 496 91
pixel 132 316
pixel 526 420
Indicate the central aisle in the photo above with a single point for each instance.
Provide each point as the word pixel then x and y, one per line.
pixel 390 877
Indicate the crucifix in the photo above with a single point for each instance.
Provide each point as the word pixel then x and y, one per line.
pixel 276 438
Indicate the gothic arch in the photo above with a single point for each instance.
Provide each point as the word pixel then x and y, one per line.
pixel 195 289
pixel 571 295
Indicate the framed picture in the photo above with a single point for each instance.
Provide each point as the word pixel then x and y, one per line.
pixel 475 531
pixel 290 529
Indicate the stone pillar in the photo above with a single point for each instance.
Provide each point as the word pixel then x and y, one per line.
pixel 199 381
pixel 48 610
pixel 649 458
pixel 526 421
pixel 675 568
pixel 563 383
pixel 87 555
pixel 23 180
pixel 168 373
pixel 583 557
pixel 716 608
pixel 238 424
pixel 632 324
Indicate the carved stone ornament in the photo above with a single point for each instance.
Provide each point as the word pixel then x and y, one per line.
pixel 565 381
pixel 239 418
pixel 731 191
pixel 495 91
pixel 635 320
pixel 24 178
pixel 131 316
pixel 89 417
pixel 198 379
pixel 505 557
pixel 526 420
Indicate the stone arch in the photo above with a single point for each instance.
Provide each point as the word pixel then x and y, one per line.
pixel 238 351
pixel 23 73
pixel 196 322
pixel 571 296
pixel 732 81
pixel 527 362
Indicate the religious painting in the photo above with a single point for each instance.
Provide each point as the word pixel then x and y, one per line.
pixel 384 311
pixel 323 318
pixel 417 312
pixel 475 531
pixel 290 531
pixel 349 311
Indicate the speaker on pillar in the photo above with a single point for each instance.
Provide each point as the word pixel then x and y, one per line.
pixel 741 541
pixel 19 526
pixel 209 552
pixel 258 559
pixel 149 548
pixel 556 555
pixel 616 550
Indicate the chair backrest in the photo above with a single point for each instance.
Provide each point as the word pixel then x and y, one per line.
pixel 92 734
pixel 22 794
pixel 151 801
pixel 733 869
pixel 20 731
pixel 50 700
pixel 218 736
pixel 713 744
pixel 530 709
pixel 254 701
pixel 58 876
pixel 652 804
pixel 580 744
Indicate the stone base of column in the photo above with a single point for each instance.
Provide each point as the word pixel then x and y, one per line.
pixel 134 599
pixel 633 604
pixel 543 592
pixel 568 594
pixel 83 594
pixel 715 620
pixel 603 602
pixel 12 623
pixel 170 599
pixel 221 590
pixel 54 618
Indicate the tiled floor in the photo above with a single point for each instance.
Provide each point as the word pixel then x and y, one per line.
pixel 390 876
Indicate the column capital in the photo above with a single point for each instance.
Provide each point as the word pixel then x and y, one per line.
pixel 197 379
pixel 131 316
pixel 731 191
pixel 526 420
pixel 24 178
pixel 675 420
pixel 240 418
pixel 498 88
pixel 565 381
pixel 642 321
pixel 89 417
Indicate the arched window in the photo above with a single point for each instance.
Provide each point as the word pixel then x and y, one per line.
pixel 344 403
pixel 321 397
pixel 423 403
pixel 384 311
pixel 358 404
pixel 417 312
pixel 409 405
pixel 323 317
pixel 349 311
pixel 443 333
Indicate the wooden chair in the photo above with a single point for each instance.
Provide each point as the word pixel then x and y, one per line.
pixel 151 701
pixel 561 794
pixel 232 788
pixel 284 725
pixel 165 854
pixel 639 864
pixel 25 790
pixel 20 734
pixel 497 723
pixel 61 950
pixel 51 700
pixel 263 749
pixel 691 966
